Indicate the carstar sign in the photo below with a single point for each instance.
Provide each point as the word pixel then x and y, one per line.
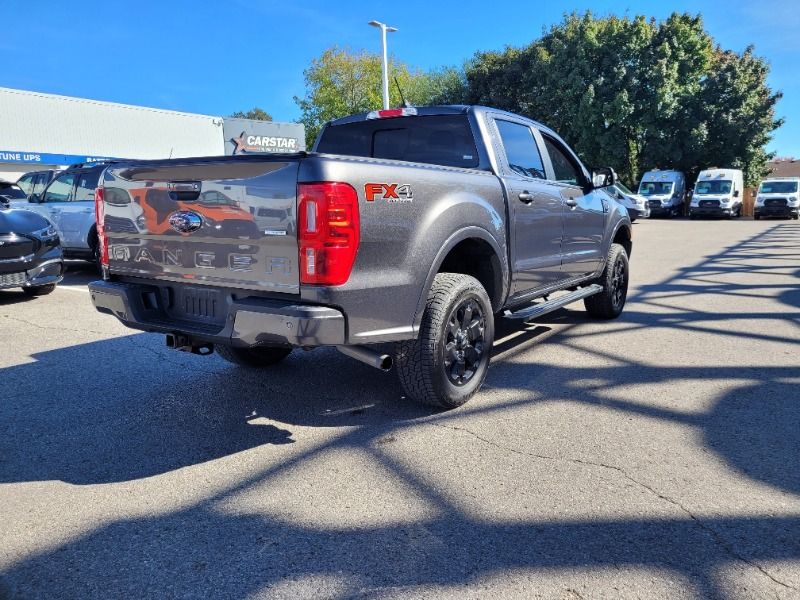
pixel 263 143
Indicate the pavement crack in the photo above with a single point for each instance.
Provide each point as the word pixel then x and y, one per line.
pixel 718 538
pixel 50 327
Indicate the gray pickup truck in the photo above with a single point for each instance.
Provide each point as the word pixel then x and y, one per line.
pixel 416 226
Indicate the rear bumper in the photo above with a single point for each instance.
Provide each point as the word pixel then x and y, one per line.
pixel 247 322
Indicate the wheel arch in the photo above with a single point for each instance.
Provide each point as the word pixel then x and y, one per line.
pixel 470 242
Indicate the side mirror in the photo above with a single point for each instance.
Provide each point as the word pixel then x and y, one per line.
pixel 603 177
pixel 35 198
pixel 736 194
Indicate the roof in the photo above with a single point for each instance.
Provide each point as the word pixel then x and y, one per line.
pixel 448 109
pixel 784 167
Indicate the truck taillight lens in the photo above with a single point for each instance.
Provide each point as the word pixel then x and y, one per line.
pixel 328 232
pixel 102 240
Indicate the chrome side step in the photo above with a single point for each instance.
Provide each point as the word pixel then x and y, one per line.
pixel 537 310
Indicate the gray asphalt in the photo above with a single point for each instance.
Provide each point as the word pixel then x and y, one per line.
pixel 655 456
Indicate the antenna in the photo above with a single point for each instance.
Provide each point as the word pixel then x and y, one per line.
pixel 399 89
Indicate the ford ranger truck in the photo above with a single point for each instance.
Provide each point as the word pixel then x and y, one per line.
pixel 417 226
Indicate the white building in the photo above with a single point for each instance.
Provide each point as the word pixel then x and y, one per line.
pixel 45 131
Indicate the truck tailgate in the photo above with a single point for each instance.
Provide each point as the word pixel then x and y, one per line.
pixel 227 221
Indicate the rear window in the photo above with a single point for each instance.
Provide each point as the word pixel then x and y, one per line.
pixel 438 140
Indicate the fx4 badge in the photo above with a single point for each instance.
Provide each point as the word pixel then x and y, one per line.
pixel 391 192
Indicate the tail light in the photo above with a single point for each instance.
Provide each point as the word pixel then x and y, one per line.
pixel 328 232
pixel 102 240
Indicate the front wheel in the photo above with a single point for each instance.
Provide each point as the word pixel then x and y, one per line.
pixel 609 303
pixel 256 357
pixel 449 360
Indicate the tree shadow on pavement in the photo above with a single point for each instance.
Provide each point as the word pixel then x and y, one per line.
pixel 155 419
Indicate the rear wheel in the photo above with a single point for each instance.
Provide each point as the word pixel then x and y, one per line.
pixel 609 303
pixel 40 290
pixel 449 360
pixel 257 357
pixel 756 216
pixel 96 259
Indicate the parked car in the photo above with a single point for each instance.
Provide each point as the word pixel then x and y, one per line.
pixel 10 192
pixel 717 192
pixel 637 205
pixel 778 197
pixel 30 254
pixel 34 182
pixel 664 191
pixel 68 203
pixel 414 226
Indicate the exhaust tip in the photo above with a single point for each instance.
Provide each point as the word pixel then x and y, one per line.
pixel 385 362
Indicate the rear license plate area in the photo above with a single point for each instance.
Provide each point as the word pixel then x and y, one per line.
pixel 193 303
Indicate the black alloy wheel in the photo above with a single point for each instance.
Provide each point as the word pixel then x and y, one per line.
pixel 464 347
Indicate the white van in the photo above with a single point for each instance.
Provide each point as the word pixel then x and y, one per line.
pixel 664 191
pixel 718 192
pixel 778 197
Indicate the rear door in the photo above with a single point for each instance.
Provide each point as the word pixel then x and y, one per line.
pixel 196 221
pixel 535 209
pixel 584 211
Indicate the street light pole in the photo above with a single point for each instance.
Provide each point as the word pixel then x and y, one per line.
pixel 384 30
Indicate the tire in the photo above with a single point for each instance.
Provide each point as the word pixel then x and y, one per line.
pixel 256 357
pixel 449 360
pixel 609 303
pixel 96 254
pixel 756 217
pixel 40 290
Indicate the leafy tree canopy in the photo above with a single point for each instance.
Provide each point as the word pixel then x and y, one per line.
pixel 256 113
pixel 637 94
pixel 342 82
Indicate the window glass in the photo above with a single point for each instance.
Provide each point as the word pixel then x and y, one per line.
pixel 521 149
pixel 655 188
pixel 713 187
pixel 565 170
pixel 436 139
pixel 60 190
pixel 87 182
pixel 26 184
pixel 771 187
pixel 42 179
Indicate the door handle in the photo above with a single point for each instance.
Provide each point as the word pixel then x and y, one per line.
pixel 525 197
pixel 571 202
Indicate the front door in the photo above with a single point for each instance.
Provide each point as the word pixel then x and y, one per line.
pixel 77 216
pixel 584 212
pixel 57 195
pixel 535 210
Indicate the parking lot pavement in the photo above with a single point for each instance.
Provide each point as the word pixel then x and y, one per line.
pixel 653 456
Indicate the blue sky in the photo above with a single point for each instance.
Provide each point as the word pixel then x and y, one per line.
pixel 218 57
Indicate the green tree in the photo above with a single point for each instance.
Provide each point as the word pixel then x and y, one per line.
pixel 342 82
pixel 635 93
pixel 256 113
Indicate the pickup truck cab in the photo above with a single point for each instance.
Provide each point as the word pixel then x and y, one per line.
pixel 778 197
pixel 415 226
